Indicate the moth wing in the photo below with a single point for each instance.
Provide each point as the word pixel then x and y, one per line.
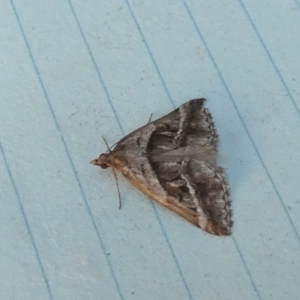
pixel 189 124
pixel 199 189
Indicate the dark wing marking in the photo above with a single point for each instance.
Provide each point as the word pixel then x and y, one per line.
pixel 199 187
pixel 189 125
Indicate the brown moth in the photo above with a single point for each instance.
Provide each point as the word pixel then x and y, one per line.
pixel 173 161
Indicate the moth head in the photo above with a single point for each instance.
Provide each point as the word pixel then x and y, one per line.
pixel 102 161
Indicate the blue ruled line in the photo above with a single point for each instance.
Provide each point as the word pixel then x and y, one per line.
pixel 123 132
pixel 27 225
pixel 270 57
pixel 150 53
pixel 96 67
pixel 246 267
pixel 244 125
pixel 102 245
pixel 171 250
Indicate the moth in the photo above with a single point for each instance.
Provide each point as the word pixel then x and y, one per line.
pixel 173 160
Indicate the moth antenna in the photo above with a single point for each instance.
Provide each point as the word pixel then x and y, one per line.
pixel 115 174
pixel 117 182
pixel 150 118
pixel 108 148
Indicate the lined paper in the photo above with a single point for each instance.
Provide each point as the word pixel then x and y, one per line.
pixel 73 71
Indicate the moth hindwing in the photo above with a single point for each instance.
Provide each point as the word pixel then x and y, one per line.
pixel 173 161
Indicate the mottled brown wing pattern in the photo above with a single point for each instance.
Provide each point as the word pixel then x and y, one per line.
pixel 210 191
pixel 200 187
pixel 190 124
pixel 194 181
